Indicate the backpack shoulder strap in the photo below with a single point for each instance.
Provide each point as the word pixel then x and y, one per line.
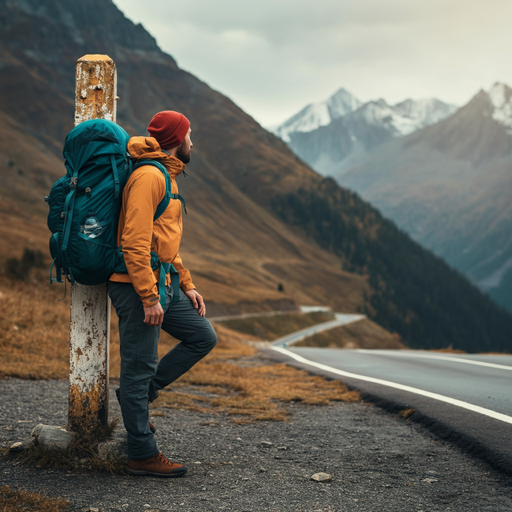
pixel 168 194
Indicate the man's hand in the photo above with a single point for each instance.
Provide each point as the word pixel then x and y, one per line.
pixel 197 301
pixel 154 315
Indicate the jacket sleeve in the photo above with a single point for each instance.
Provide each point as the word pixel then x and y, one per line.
pixel 186 283
pixel 143 196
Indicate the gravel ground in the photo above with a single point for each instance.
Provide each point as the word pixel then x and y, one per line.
pixel 378 462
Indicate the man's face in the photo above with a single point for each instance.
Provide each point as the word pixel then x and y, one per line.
pixel 185 148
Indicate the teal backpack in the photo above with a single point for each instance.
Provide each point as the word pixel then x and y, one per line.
pixel 85 206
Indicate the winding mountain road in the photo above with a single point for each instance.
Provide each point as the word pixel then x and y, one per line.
pixel 294 337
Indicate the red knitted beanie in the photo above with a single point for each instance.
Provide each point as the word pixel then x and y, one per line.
pixel 169 128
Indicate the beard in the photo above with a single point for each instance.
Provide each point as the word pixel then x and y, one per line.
pixel 182 153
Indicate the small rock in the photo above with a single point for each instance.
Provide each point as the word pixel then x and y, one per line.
pixel 430 480
pixel 263 470
pixel 14 447
pixel 321 477
pixel 197 462
pixel 277 457
pixel 53 438
pixel 114 449
pixel 266 443
pixel 282 448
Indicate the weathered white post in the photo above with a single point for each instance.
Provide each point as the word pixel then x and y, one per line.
pixel 95 97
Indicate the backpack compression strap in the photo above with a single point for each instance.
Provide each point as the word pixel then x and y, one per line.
pixel 166 267
pixel 168 194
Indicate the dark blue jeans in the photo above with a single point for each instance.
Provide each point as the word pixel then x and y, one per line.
pixel 141 373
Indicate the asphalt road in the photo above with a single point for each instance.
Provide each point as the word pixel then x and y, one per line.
pixel 464 398
pixel 294 337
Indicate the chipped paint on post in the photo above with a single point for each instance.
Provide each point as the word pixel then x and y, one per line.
pixel 89 356
pixel 95 90
pixel 95 98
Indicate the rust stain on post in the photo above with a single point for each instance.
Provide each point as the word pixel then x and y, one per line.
pixel 95 98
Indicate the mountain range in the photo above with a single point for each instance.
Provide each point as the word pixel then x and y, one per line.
pixel 450 187
pixel 259 217
pixel 444 175
pixel 333 135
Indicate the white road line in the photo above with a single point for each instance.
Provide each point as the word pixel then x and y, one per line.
pixel 435 396
pixel 294 337
pixel 432 356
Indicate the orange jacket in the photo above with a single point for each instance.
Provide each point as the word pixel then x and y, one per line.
pixel 138 234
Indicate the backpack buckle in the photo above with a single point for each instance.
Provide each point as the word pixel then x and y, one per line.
pixel 73 182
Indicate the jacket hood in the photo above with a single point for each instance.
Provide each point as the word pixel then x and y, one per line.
pixel 147 148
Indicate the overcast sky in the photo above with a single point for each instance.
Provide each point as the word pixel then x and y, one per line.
pixel 273 57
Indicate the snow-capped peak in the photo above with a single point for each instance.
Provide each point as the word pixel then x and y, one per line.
pixel 318 114
pixel 400 119
pixel 501 100
pixel 341 103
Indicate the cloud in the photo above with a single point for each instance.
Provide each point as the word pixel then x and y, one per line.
pixel 272 57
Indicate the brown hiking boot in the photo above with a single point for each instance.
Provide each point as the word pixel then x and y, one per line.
pixel 157 465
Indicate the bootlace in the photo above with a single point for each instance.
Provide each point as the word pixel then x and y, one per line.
pixel 163 460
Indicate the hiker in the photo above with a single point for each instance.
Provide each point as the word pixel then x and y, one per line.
pixel 136 297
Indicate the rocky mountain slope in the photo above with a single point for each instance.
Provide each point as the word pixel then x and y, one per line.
pixel 257 215
pixel 450 187
pixel 333 135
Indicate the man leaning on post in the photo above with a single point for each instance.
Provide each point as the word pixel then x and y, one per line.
pixel 136 297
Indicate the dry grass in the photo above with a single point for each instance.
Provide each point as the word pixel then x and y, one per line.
pixel 12 500
pixel 34 330
pixel 361 334
pixel 406 413
pixel 231 381
pixel 272 327
pixel 35 345
pixel 81 455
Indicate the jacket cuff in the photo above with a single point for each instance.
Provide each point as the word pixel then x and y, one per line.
pixel 150 301
pixel 188 287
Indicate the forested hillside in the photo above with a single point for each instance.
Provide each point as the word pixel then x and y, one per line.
pixel 414 292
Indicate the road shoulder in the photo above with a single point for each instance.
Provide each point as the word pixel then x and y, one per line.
pixel 475 434
pixel 377 462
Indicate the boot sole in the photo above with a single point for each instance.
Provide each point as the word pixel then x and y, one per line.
pixel 142 472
